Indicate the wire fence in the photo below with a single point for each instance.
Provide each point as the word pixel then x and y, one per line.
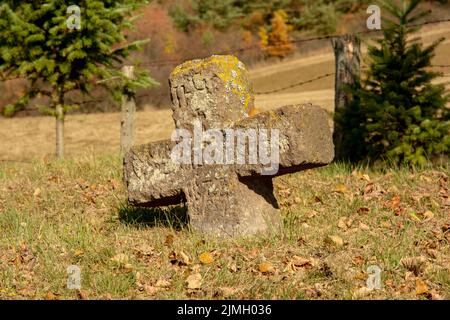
pixel 169 62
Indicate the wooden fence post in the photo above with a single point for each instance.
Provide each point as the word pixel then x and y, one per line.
pixel 347 52
pixel 128 114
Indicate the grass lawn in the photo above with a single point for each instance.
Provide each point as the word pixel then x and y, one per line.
pixel 338 221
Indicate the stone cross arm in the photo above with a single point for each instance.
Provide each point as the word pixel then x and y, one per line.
pixel 304 138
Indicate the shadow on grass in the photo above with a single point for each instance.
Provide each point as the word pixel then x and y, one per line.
pixel 174 217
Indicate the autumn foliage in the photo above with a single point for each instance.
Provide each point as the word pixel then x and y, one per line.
pixel 276 43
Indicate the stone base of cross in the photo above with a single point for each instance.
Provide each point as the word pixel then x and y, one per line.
pixel 220 161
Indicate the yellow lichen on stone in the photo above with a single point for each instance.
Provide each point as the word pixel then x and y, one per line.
pixel 229 69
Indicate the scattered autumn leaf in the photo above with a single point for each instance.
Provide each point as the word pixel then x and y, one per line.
pixel 51 296
pixel 421 287
pixel 37 192
pixel 82 295
pixel 428 215
pixel 301 262
pixel 334 241
pixel 266 267
pixel 206 258
pixel 163 283
pixel 194 281
pixel 363 210
pixel 120 259
pixel 78 253
pixel 340 188
pixel 414 264
pixel 169 239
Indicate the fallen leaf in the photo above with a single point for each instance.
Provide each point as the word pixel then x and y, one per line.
pixel 82 295
pixel 194 281
pixel 428 215
pixel 51 296
pixel 163 283
pixel 334 241
pixel 301 262
pixel 363 226
pixel 360 175
pixel 169 239
pixel 206 258
pixel 150 290
pixel 363 210
pixel 227 291
pixel 185 258
pixel 120 259
pixel 361 292
pixel 340 188
pixel 421 287
pixel 266 267
pixel 37 192
pixel 342 223
pixel 78 253
pixel 414 264
pixel 180 259
pixel 128 267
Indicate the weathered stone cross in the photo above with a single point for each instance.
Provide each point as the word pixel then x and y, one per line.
pixel 225 199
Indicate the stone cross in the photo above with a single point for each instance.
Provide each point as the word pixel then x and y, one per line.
pixel 226 198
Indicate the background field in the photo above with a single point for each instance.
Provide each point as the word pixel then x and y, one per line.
pixel 33 137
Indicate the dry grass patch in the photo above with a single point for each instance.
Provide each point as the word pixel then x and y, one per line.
pixel 338 221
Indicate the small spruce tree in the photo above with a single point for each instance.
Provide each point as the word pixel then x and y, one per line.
pixel 397 113
pixel 43 42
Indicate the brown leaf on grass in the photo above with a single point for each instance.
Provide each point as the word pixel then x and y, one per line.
pixel 169 240
pixel 144 250
pixel 334 241
pixel 78 253
pixel 194 281
pixel 82 295
pixel 37 192
pixel 372 191
pixel 345 223
pixel 266 267
pixel 206 258
pixel 395 205
pixel 363 210
pixel 358 260
pixel 301 262
pixel 226 292
pixel 360 175
pixel 120 259
pixel 421 287
pixel 180 259
pixel 151 290
pixel 340 188
pixel 414 264
pixel 163 283
pixel 317 199
pixel 428 215
pixel 51 296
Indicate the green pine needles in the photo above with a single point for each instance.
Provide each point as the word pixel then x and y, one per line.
pixel 397 113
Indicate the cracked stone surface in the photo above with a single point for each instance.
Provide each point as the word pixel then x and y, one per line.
pixel 225 200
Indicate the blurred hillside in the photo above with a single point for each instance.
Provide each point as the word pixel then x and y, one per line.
pixel 184 29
